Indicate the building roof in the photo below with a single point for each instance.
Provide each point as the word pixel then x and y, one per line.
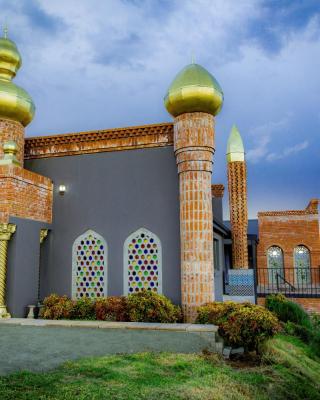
pixel 134 137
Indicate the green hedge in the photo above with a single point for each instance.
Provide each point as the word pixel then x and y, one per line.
pixel 240 324
pixel 144 306
pixel 296 320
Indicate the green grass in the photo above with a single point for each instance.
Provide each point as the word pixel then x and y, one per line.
pixel 288 372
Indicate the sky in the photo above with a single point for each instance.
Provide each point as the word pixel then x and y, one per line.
pixel 98 64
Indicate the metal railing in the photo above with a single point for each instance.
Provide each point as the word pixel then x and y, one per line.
pixel 294 282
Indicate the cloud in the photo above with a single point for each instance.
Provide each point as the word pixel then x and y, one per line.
pixel 262 136
pixel 95 64
pixel 288 151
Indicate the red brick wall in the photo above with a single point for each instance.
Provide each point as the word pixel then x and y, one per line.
pixel 24 194
pixel 309 304
pixel 288 229
pixel 12 130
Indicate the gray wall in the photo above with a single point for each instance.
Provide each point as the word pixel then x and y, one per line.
pixel 23 266
pixel 113 193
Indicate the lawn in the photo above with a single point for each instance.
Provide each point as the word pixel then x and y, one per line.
pixel 288 371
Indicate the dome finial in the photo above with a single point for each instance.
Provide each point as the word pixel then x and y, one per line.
pixel 235 148
pixel 192 58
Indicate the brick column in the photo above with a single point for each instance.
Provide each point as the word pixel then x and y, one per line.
pixel 237 182
pixel 6 231
pixel 194 148
pixel 12 130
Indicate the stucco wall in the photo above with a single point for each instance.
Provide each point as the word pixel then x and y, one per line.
pixel 113 193
pixel 23 265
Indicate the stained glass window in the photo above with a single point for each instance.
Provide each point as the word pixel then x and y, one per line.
pixel 142 262
pixel 275 263
pixel 89 266
pixel 302 265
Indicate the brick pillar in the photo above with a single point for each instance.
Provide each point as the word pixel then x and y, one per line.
pixel 237 182
pixel 194 148
pixel 6 231
pixel 12 130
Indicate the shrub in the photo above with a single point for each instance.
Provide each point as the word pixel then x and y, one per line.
pixel 287 310
pixel 113 308
pixel 216 312
pixel 57 307
pixel 83 309
pixel 305 334
pixel 240 324
pixel 147 306
pixel 315 343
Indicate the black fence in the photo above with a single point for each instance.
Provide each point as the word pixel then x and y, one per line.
pixel 294 282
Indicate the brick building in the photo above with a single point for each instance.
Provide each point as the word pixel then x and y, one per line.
pixel 112 212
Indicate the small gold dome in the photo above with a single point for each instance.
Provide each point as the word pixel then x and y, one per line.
pixel 194 89
pixel 15 102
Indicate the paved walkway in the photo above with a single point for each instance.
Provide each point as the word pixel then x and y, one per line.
pixel 38 345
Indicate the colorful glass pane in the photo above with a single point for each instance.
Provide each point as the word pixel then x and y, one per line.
pixel 89 271
pixel 142 262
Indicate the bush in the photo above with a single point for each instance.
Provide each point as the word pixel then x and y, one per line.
pixel 216 312
pixel 287 310
pixel 57 307
pixel 113 308
pixel 83 309
pixel 305 334
pixel 147 306
pixel 240 324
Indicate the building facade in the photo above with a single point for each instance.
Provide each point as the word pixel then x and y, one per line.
pixel 113 212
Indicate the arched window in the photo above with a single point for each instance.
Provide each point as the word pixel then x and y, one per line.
pixel 142 262
pixel 89 266
pixel 275 264
pixel 302 265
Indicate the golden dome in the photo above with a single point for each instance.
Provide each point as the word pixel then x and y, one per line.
pixel 15 103
pixel 194 89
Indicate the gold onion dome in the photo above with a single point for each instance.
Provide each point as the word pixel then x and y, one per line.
pixel 194 89
pixel 15 103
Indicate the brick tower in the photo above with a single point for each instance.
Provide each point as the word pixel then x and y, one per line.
pixel 23 193
pixel 16 106
pixel 237 185
pixel 193 99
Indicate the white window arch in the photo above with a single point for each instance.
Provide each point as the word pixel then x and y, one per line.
pixel 89 266
pixel 302 265
pixel 142 262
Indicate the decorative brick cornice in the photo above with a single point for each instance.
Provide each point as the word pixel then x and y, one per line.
pixel 312 208
pixel 135 137
pixel 217 190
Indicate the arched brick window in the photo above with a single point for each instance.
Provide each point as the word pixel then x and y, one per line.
pixel 302 265
pixel 142 262
pixel 275 264
pixel 89 266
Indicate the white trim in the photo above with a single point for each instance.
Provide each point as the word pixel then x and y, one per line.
pixel 74 261
pixel 126 258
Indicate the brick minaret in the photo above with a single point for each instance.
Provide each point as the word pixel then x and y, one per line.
pixel 16 106
pixel 237 185
pixel 193 99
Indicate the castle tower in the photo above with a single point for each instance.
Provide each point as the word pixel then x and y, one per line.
pixel 193 99
pixel 237 185
pixel 16 106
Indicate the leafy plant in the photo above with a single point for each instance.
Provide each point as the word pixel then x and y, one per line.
pixel 287 310
pixel 147 306
pixel 57 307
pixel 113 308
pixel 240 324
pixel 83 309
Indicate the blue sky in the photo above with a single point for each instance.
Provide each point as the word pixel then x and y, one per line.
pixel 96 64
